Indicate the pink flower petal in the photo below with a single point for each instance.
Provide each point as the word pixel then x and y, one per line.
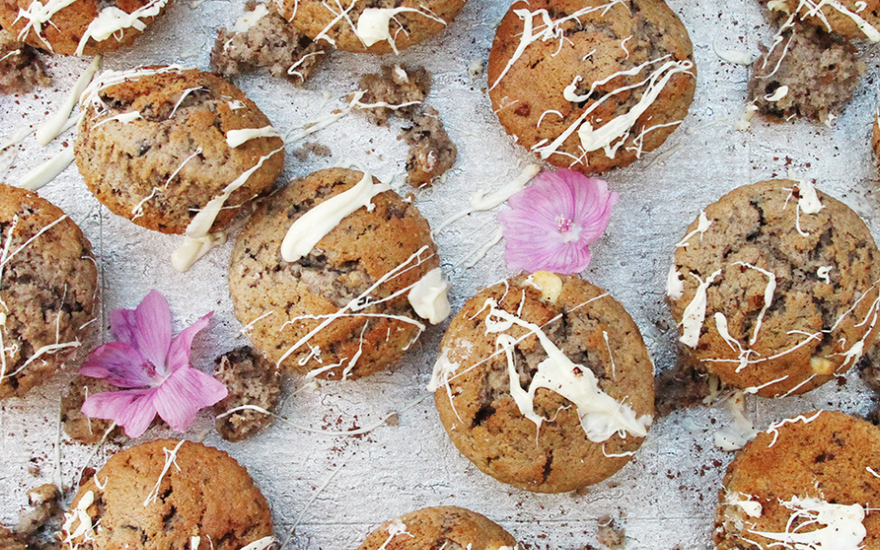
pixel 119 363
pixel 147 328
pixel 178 354
pixel 132 409
pixel 551 224
pixel 184 393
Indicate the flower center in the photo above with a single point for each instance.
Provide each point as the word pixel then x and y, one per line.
pixel 569 231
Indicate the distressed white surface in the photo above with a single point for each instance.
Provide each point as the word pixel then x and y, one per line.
pixel 667 493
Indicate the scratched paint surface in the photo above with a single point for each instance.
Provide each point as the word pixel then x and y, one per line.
pixel 664 497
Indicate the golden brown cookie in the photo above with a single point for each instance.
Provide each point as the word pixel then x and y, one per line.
pixel 853 19
pixel 591 85
pixel 48 287
pixel 807 479
pixel 80 27
pixel 341 310
pixel 378 26
pixel 157 144
pixel 775 288
pixel 166 495
pixel 583 395
pixel 446 527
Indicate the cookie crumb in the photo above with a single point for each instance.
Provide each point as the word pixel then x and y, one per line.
pixel 680 387
pixel 811 73
pixel 314 148
pixel 21 66
pixel 251 380
pixel 38 523
pixel 610 535
pixel 431 152
pixel 8 541
pixel 266 41
pixel 395 85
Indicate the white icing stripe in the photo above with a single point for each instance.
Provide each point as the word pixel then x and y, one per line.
pixel 695 312
pixel 39 14
pixel 824 273
pixel 674 284
pixel 46 172
pixel 52 127
pixel 481 202
pixel 113 20
pixel 234 138
pixel 183 96
pixel 311 227
pixel 814 9
pixel 703 225
pixel 774 428
pixel 374 24
pixel 202 222
pixel 124 118
pixel 600 414
pixel 780 93
pixel 769 290
pixel 260 544
pixel 843 529
pixel 429 299
pixel 750 507
pixel 250 18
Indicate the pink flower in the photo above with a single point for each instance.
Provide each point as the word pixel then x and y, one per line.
pixel 551 224
pixel 147 358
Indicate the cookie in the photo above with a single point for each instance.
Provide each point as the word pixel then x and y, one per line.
pixel 48 287
pixel 380 26
pixel 79 27
pixel 807 482
pixel 347 305
pixel 808 73
pixel 159 145
pixel 262 38
pixel 448 527
pixel 591 85
pixel 584 392
pixel 252 381
pixel 168 494
pixel 775 288
pixel 852 19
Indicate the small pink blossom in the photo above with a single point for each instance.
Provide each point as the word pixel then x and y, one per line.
pixel 146 357
pixel 551 224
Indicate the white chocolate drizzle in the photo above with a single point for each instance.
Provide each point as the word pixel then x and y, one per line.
pixel 37 15
pixel 53 126
pixel 695 312
pixel 774 428
pixel 183 96
pixel 824 273
pixel 731 56
pixel 113 20
pixel 732 440
pixel 235 138
pixel 429 299
pixel 745 120
pixel 91 95
pixel 79 514
pixel 47 171
pixel 674 284
pixel 769 290
pixel 780 93
pixel 843 529
pixel 374 24
pixel 703 225
pixel 395 529
pixel 170 459
pixel 260 544
pixel 311 227
pixel 481 201
pixel 808 203
pixel 122 118
pixel 745 502
pixel 814 9
pixel 250 18
pixel 601 415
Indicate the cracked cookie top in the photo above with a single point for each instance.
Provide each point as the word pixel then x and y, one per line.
pixel 340 311
pixel 591 84
pixel 165 495
pixel 442 527
pixel 544 383
pixel 775 288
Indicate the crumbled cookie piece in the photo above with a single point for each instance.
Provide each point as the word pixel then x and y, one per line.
pixel 78 426
pixel 431 152
pixel 811 73
pixel 610 535
pixel 44 507
pixel 251 380
pixel 395 86
pixel 680 387
pixel 8 541
pixel 313 148
pixel 263 39
pixel 21 68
